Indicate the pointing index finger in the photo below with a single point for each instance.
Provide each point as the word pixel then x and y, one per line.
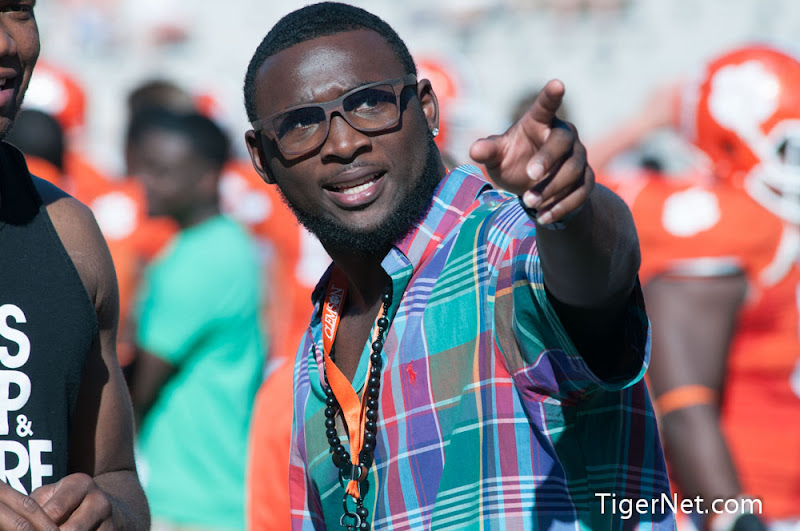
pixel 547 103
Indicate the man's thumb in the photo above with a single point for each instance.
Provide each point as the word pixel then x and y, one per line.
pixel 487 150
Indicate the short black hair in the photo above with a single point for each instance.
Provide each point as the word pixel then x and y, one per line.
pixel 159 92
pixel 39 134
pixel 311 22
pixel 206 138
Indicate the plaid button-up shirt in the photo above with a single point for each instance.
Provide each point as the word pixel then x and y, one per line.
pixel 488 418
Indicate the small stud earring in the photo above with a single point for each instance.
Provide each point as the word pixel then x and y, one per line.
pixel 435 132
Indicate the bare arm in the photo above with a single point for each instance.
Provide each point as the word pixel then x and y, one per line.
pixel 590 269
pixel 149 375
pixel 693 322
pixel 103 488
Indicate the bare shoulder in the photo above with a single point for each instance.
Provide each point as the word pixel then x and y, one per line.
pixel 81 237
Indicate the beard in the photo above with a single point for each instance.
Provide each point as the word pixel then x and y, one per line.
pixel 410 210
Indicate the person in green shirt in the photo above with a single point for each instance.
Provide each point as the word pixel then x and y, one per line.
pixel 200 347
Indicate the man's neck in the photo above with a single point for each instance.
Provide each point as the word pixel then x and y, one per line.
pixel 366 282
pixel 197 216
pixel 366 278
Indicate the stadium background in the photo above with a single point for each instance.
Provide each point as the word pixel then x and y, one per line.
pixel 610 53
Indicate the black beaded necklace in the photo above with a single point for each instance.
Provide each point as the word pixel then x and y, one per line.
pixel 339 454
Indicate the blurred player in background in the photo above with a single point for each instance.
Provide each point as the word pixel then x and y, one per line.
pixel 720 252
pixel 201 349
pixel 287 252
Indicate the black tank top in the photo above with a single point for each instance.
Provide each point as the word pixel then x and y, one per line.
pixel 47 326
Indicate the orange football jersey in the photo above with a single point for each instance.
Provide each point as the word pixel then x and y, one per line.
pixel 267 489
pixel 682 224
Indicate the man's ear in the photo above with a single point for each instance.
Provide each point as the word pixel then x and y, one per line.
pixel 430 105
pixel 256 149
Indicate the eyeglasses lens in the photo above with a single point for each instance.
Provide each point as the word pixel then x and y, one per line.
pixel 368 110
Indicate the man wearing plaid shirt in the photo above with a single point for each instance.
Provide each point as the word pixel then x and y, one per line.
pixel 508 381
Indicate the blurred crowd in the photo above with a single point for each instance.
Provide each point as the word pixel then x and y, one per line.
pixel 610 54
pixel 134 109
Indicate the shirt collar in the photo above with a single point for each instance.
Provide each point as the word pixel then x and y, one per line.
pixel 453 199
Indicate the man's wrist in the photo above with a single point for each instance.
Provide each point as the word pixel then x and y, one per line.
pixel 561 224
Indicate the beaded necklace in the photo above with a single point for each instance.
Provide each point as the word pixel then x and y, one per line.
pixel 360 416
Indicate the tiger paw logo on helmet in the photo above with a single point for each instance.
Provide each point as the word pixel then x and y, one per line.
pixel 744 96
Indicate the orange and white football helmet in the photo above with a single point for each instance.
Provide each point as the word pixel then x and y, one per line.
pixel 743 112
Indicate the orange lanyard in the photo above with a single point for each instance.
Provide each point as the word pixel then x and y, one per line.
pixel 353 409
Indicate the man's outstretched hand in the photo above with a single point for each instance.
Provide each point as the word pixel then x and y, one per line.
pixel 540 158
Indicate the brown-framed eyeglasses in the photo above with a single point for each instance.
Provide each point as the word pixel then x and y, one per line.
pixel 369 108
